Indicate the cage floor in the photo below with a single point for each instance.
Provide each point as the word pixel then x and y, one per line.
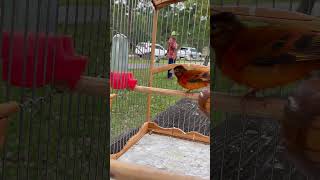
pixel 170 154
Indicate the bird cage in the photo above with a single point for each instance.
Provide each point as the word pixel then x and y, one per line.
pixel 156 114
pixel 248 140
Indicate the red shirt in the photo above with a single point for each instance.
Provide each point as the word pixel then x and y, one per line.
pixel 172 46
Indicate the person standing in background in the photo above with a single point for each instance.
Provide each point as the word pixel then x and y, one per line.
pixel 172 51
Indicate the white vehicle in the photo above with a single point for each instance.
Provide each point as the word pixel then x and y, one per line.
pixel 189 53
pixel 144 49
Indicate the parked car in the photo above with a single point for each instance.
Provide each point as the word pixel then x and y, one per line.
pixel 144 49
pixel 189 53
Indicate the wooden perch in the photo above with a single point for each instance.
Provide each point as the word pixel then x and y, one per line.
pixel 92 86
pixel 9 108
pixel 271 107
pixel 170 92
pixel 124 171
pixel 265 107
pixel 270 15
pixel 158 4
pixel 171 66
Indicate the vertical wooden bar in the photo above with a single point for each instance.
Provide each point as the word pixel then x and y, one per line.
pixel 153 47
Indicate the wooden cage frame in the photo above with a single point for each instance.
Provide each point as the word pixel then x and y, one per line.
pixel 270 107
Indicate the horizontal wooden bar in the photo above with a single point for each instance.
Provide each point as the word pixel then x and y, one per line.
pixel 265 107
pixel 178 133
pixel 92 86
pixel 221 102
pixel 125 171
pixel 132 141
pixel 171 66
pixel 158 4
pixel 169 92
pixel 9 108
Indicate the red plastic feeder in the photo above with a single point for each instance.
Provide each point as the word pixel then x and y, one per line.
pixel 53 61
pixel 121 80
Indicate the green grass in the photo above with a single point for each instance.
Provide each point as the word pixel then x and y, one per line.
pixel 141 60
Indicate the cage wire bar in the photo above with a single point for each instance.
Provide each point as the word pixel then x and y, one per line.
pixel 56 134
pixel 246 146
pixel 135 20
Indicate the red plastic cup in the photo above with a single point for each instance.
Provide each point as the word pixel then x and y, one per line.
pixel 121 80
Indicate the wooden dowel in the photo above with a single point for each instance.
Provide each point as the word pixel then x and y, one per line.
pixel 265 107
pixel 271 107
pixel 171 66
pixel 153 46
pixel 170 92
pixel 9 108
pixel 158 4
pixel 125 171
pixel 92 86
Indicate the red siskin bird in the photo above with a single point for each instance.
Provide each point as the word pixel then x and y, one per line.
pixel 263 57
pixel 192 79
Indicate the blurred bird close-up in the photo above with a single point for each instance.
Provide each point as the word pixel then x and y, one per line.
pixel 300 128
pixel 192 79
pixel 263 57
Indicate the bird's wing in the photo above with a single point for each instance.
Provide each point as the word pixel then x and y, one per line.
pixel 306 48
pixel 272 45
pixel 248 44
pixel 194 76
pixel 302 48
